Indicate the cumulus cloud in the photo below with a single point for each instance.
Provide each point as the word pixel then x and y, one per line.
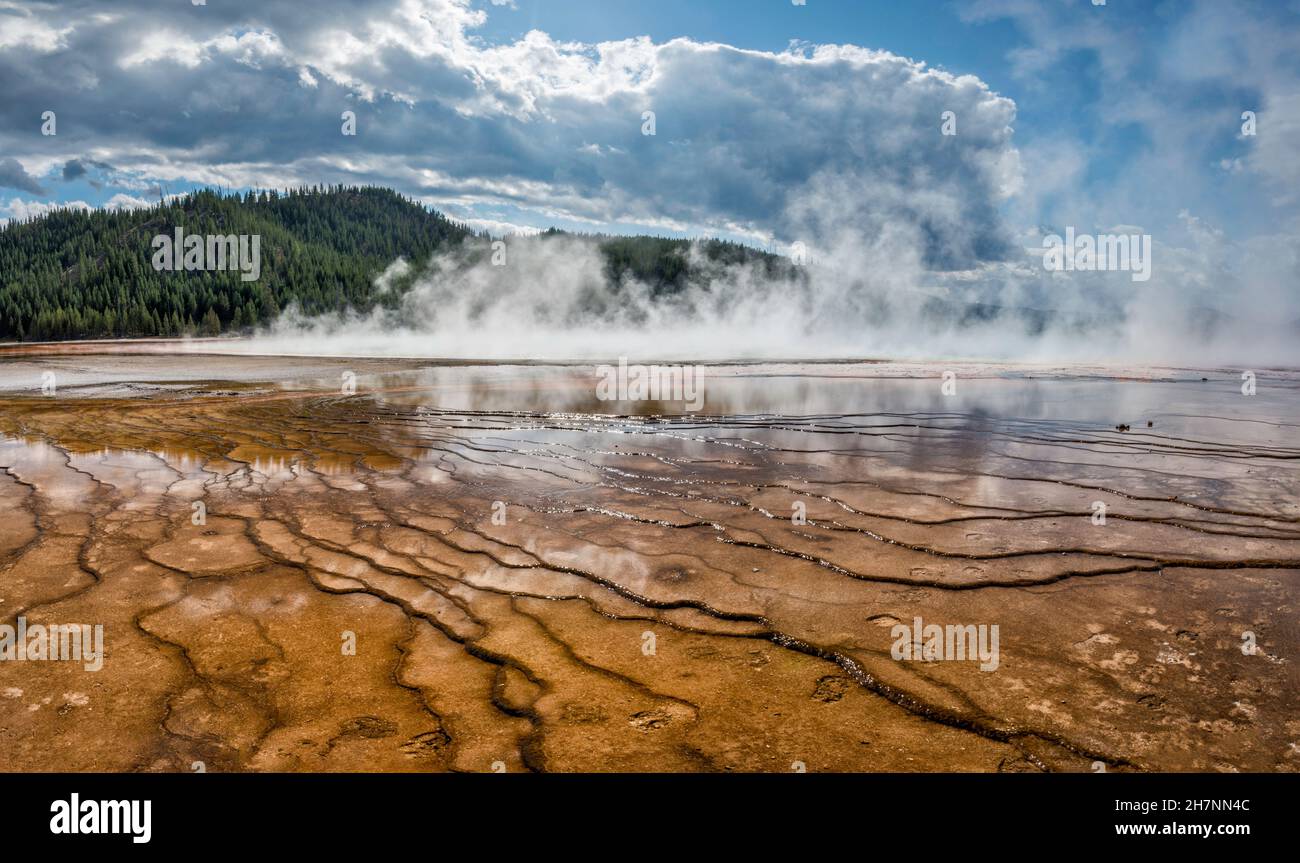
pixel 19 210
pixel 554 128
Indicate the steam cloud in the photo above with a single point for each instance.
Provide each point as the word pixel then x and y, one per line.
pixel 858 298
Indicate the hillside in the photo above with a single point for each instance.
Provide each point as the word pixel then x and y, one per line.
pixel 75 274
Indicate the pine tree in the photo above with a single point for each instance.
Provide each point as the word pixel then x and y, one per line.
pixel 211 324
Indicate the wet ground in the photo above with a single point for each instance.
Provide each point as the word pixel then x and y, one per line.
pixel 483 567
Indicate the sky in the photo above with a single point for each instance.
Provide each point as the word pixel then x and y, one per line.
pixel 774 122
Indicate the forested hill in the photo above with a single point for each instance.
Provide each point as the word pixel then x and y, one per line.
pixel 75 274
pixel 89 274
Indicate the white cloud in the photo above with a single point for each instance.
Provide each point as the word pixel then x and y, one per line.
pixel 19 210
pixel 122 201
pixel 20 28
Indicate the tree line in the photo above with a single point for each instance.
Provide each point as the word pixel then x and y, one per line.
pixel 78 274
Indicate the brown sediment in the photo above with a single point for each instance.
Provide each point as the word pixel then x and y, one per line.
pixel 642 599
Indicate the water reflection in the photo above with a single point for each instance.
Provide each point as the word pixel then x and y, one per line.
pixel 836 394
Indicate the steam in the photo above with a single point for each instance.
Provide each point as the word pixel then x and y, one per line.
pixel 914 262
pixel 861 295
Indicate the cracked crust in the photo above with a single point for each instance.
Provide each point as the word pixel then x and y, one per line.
pixel 524 645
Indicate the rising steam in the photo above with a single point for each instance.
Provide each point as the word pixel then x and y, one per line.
pixel 552 299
